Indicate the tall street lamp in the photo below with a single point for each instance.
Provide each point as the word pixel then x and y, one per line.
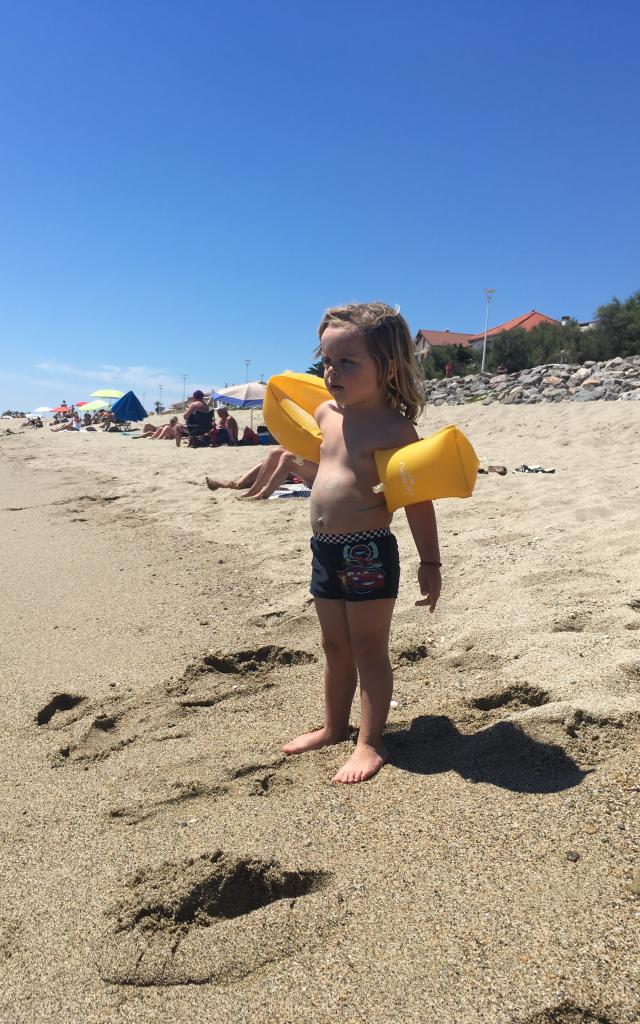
pixel 184 388
pixel 160 398
pixel 246 376
pixel 489 292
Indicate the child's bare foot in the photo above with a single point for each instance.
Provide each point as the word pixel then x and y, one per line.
pixel 313 741
pixel 364 763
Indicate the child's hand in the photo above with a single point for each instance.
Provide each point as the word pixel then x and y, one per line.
pixel 430 583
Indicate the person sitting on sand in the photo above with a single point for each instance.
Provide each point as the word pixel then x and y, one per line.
pixel 72 424
pixel 196 404
pixel 86 422
pixel 371 374
pixel 109 422
pixel 227 432
pixel 267 475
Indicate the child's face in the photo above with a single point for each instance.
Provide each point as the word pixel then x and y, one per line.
pixel 350 372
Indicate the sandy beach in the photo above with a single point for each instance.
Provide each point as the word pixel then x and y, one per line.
pixel 162 861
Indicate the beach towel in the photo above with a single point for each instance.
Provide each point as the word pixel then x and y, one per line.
pixel 291 491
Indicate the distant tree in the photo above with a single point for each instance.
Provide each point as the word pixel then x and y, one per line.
pixel 554 343
pixel 616 333
pixel 547 343
pixel 317 369
pixel 510 349
pixel 619 325
pixel 158 408
pixel 432 365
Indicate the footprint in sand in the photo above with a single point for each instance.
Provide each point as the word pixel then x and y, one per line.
pixel 412 654
pixel 155 715
pixel 212 918
pixel 257 659
pixel 249 780
pixel 175 798
pixel 568 1013
pixel 520 695
pixel 58 702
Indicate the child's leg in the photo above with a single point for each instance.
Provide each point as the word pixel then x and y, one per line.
pixel 369 625
pixel 340 679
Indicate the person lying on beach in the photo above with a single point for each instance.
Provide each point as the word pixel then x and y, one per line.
pixel 148 429
pixel 167 432
pixel 196 404
pixel 154 433
pixel 267 475
pixel 371 374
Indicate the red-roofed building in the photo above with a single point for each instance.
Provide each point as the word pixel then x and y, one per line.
pixel 424 340
pixel 526 322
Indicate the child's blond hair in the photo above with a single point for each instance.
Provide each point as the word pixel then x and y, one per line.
pixel 390 344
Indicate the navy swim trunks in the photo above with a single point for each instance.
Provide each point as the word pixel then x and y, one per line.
pixel 355 566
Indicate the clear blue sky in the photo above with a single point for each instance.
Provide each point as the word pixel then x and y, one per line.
pixel 188 184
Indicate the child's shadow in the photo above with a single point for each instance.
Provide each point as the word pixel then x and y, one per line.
pixel 501 754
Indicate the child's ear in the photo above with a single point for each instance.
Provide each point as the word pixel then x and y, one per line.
pixel 392 369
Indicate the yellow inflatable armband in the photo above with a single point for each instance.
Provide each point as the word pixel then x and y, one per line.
pixel 443 465
pixel 289 404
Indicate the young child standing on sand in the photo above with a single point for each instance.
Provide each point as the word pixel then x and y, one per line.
pixel 370 372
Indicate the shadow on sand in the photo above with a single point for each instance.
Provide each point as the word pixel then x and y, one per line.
pixel 502 755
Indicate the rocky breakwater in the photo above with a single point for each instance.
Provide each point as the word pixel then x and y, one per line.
pixel 613 381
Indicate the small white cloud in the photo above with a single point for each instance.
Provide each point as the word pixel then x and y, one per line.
pixel 125 378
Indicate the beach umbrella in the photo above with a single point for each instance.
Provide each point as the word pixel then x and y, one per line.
pixel 43 408
pixel 108 393
pixel 61 408
pixel 129 408
pixel 94 406
pixel 242 396
pixel 80 404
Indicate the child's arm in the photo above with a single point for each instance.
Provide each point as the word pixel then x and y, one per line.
pixel 422 523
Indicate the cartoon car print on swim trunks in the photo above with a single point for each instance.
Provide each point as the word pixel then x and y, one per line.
pixel 363 572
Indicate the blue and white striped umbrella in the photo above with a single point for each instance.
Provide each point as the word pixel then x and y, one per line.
pixel 242 396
